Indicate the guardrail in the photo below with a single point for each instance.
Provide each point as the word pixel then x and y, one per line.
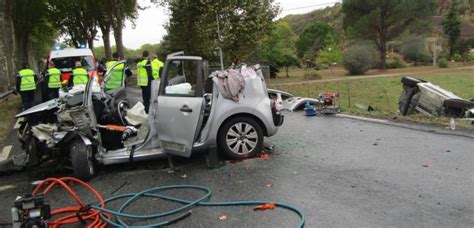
pixel 3 96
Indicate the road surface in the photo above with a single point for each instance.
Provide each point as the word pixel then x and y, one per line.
pixel 341 173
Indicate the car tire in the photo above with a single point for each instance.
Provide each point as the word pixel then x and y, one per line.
pixel 82 160
pixel 406 100
pixel 240 138
pixel 32 149
pixel 412 82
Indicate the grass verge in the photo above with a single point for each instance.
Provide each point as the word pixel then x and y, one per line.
pixel 8 109
pixel 383 94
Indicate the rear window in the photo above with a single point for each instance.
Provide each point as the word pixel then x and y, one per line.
pixel 66 64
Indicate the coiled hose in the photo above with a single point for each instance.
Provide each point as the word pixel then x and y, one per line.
pixel 100 216
pixel 181 212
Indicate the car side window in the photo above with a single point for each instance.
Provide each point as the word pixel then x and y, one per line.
pixel 181 78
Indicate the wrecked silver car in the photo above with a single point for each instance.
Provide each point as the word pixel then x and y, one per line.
pixel 187 113
pixel 423 97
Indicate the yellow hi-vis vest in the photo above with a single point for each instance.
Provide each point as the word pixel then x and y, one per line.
pixel 116 75
pixel 156 65
pixel 54 78
pixel 142 75
pixel 27 81
pixel 80 76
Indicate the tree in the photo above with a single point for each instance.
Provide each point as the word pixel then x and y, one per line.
pixel 314 38
pixel 289 59
pixel 414 49
pixel 277 48
pixel 381 21
pixel 102 15
pixel 358 59
pixel 7 46
pixel 34 33
pixel 242 24
pixel 435 48
pixel 75 19
pixel 452 26
pixel 121 10
pixel 330 55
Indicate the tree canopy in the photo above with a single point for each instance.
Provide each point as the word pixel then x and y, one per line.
pixel 314 38
pixel 383 20
pixel 452 26
pixel 193 26
pixel 278 47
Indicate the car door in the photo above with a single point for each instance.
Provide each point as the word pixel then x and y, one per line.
pixel 180 105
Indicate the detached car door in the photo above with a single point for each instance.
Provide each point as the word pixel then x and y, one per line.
pixel 180 105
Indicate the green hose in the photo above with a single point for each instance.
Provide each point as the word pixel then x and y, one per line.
pixel 181 211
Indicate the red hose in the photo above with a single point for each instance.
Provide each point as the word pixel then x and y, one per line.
pixel 71 212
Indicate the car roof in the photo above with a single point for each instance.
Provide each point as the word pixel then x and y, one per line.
pixel 70 52
pixel 180 57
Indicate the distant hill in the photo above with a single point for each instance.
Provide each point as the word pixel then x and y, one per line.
pixel 331 15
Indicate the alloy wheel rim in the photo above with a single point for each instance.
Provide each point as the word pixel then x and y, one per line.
pixel 241 138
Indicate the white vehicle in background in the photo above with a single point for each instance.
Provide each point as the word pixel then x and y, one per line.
pixel 65 59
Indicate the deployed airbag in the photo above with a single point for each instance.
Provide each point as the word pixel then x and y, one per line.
pixel 136 115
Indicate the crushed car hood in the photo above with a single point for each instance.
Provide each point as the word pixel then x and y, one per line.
pixel 48 105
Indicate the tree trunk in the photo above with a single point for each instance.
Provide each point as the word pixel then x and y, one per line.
pixel 90 43
pixel 106 39
pixel 3 60
pixel 287 75
pixel 383 54
pixel 118 36
pixel 9 42
pixel 22 43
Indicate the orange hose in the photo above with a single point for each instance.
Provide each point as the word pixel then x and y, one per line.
pixel 70 212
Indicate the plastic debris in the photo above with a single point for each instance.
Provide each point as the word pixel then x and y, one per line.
pixel 222 217
pixel 263 207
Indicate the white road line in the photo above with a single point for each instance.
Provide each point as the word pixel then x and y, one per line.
pixel 5 152
pixel 6 187
pixel 363 118
pixel 17 124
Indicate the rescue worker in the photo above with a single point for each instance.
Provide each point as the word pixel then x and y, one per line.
pixel 156 66
pixel 41 84
pixel 26 86
pixel 116 76
pixel 79 75
pixel 144 78
pixel 53 80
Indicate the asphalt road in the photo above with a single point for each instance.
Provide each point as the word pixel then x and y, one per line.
pixel 340 172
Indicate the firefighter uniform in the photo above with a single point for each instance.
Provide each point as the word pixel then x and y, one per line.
pixel 144 78
pixel 53 78
pixel 116 76
pixel 156 66
pixel 26 85
pixel 79 77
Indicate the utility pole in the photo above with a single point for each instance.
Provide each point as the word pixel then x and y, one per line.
pixel 219 40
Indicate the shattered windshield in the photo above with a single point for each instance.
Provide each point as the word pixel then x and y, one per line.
pixel 66 64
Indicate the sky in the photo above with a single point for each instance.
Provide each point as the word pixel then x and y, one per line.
pixel 149 27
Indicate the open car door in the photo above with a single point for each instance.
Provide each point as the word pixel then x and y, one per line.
pixel 180 104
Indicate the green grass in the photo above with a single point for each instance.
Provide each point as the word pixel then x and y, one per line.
pixel 8 109
pixel 383 93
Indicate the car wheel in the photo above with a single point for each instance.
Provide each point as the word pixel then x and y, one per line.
pixel 406 99
pixel 409 81
pixel 241 138
pixel 82 160
pixel 31 148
